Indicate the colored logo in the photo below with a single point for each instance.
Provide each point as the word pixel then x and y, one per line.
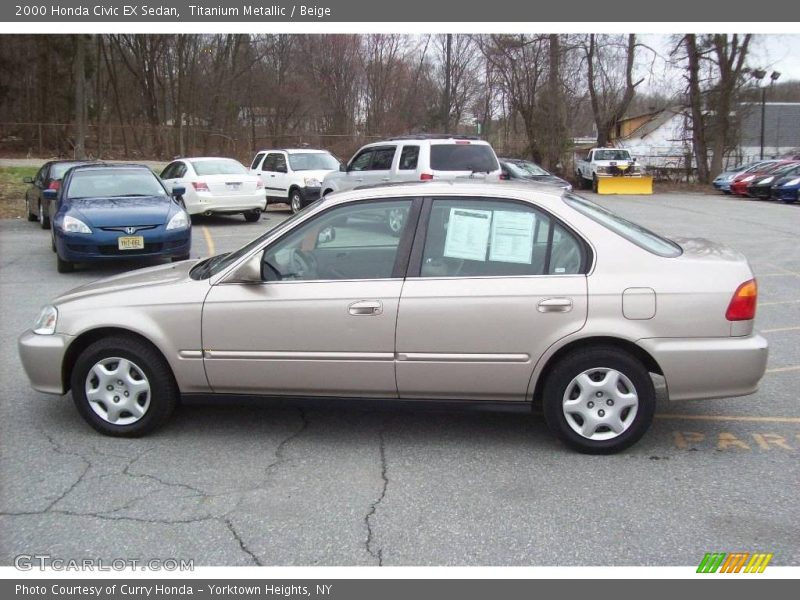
pixel 734 562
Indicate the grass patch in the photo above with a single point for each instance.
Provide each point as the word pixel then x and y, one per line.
pixel 12 190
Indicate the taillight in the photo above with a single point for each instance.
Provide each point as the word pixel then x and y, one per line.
pixel 743 303
pixel 426 176
pixel 505 176
pixel 54 185
pixel 200 186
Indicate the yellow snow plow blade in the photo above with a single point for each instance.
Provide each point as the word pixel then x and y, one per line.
pixel 625 185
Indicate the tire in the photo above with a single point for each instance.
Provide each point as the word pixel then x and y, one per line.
pixel 395 221
pixel 145 376
pixel 44 220
pixel 295 201
pixel 64 266
pixel 251 216
pixel 594 183
pixel 581 384
pixel 31 217
pixel 53 243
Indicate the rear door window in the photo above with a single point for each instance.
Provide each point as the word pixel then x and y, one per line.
pixel 477 158
pixel 409 158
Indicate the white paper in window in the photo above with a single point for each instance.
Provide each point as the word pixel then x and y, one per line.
pixel 467 234
pixel 512 237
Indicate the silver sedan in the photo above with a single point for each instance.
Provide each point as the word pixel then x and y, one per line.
pixel 507 293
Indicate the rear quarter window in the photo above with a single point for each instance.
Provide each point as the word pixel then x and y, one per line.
pixel 463 157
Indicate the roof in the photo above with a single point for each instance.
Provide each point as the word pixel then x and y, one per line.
pixel 657 119
pixel 781 124
pixel 104 165
pixel 293 150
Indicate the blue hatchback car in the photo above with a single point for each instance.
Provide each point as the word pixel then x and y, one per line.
pixel 113 211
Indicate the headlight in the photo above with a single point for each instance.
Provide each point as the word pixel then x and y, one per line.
pixel 312 182
pixel 73 225
pixel 46 322
pixel 179 220
pixel 765 181
pixel 795 181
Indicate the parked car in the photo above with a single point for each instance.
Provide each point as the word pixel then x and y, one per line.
pixel 761 187
pixel 740 182
pixel 600 163
pixel 107 211
pixel 722 182
pixel 48 177
pixel 786 189
pixel 216 185
pixel 293 176
pixel 423 157
pixel 525 170
pixel 503 292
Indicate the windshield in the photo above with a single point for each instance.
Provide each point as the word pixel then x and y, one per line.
pixel 644 238
pixel 526 169
pixel 612 155
pixel 313 161
pixel 114 183
pixel 223 166
pixel 215 264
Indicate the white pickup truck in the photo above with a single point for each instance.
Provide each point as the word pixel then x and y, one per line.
pixel 605 162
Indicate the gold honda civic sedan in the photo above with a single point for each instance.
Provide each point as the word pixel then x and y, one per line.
pixel 468 291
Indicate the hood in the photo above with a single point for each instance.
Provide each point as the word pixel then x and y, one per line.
pixel 115 212
pixel 702 248
pixel 316 173
pixel 147 277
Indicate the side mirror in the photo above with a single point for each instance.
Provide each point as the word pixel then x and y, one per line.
pixel 178 191
pixel 249 272
pixel 342 168
pixel 326 235
pixel 49 194
pixel 27 180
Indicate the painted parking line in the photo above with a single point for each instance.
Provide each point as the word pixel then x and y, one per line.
pixel 721 418
pixel 777 302
pixel 784 369
pixel 777 329
pixel 209 241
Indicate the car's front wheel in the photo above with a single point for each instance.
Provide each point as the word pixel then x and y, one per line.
pixel 296 201
pixel 123 387
pixel 600 400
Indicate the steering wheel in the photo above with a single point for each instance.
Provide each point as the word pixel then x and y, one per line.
pixel 303 265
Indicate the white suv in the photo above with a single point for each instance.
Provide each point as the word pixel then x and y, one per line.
pixel 294 175
pixel 415 158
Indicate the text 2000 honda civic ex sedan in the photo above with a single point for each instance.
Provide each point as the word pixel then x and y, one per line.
pixel 491 292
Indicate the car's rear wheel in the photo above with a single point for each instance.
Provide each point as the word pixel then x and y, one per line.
pixel 31 216
pixel 251 216
pixel 296 201
pixel 123 387
pixel 600 400
pixel 64 266
pixel 44 220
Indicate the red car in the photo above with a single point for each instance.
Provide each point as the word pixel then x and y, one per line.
pixel 741 181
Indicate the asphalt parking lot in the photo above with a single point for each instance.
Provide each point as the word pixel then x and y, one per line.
pixel 304 484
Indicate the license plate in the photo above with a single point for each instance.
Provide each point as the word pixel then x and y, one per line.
pixel 233 186
pixel 133 242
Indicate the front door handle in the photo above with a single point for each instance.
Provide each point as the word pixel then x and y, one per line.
pixel 365 307
pixel 555 305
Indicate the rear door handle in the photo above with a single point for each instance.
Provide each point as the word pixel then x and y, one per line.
pixel 555 305
pixel 365 307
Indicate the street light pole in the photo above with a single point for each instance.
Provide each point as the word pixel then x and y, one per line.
pixel 763 114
